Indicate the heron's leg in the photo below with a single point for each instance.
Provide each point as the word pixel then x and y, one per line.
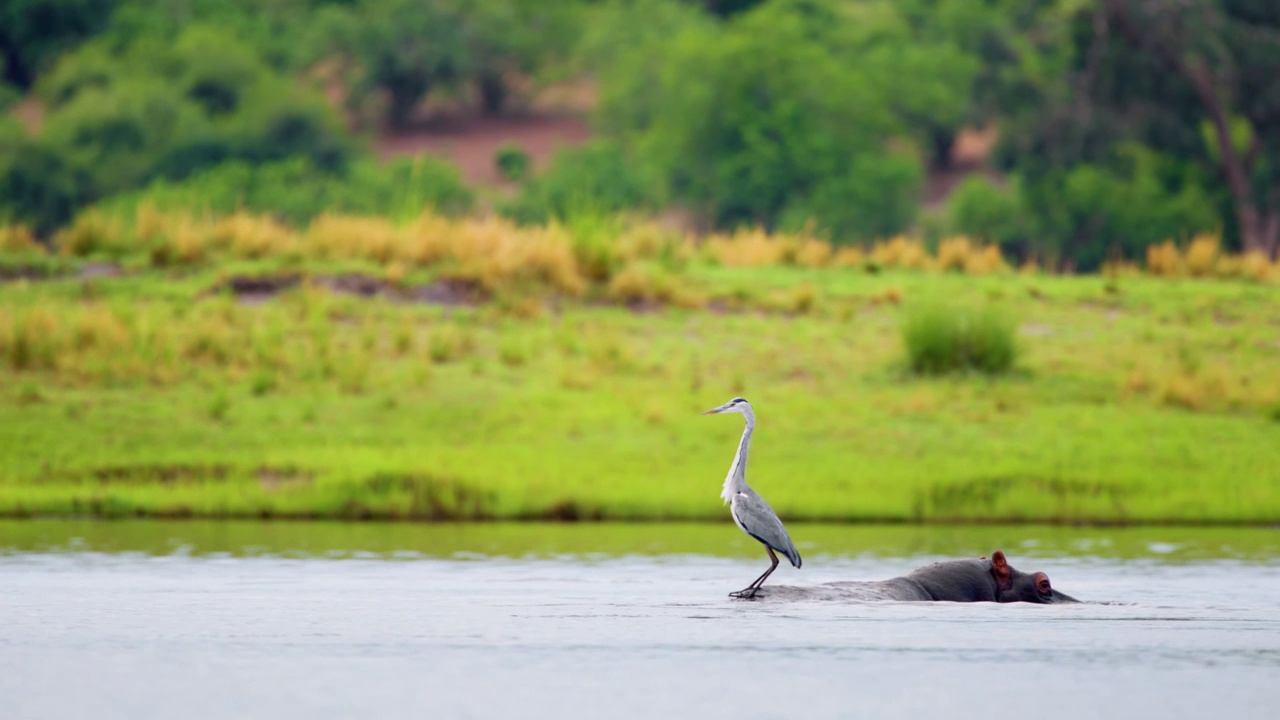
pixel 750 591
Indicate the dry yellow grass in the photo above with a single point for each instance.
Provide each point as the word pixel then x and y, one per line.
pixel 953 253
pixel 649 241
pixel 351 237
pixel 961 254
pixel 849 256
pixel 18 239
pixel 1163 259
pixel 902 252
pixel 1250 266
pixel 98 327
pixel 253 236
pixel 31 340
pixel 633 284
pixel 749 248
pixel 984 260
pixel 1193 390
pixel 494 252
pixel 512 261
pixel 1202 255
pixel 1204 258
pixel 813 253
pixel 93 232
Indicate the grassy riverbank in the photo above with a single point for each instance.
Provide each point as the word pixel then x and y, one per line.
pixel 1134 399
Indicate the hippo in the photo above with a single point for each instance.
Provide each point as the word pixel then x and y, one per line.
pixel 980 580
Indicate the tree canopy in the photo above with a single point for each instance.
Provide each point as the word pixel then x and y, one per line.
pixel 1120 123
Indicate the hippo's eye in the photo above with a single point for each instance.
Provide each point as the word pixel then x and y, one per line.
pixel 1042 584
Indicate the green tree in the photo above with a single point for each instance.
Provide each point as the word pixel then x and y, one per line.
pixel 981 209
pixel 596 179
pixel 116 135
pixel 1191 81
pixel 1218 59
pixel 33 33
pixel 409 50
pixel 1013 52
pixel 778 116
pixel 922 70
pixel 38 187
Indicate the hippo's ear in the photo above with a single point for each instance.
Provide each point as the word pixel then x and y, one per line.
pixel 1001 571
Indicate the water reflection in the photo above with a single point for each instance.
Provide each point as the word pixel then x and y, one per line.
pixel 473 541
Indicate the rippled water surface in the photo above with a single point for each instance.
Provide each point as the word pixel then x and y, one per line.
pixel 221 620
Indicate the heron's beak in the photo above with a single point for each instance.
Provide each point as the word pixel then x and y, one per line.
pixel 714 411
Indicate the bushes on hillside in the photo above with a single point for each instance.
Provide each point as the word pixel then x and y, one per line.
pixel 595 179
pixel 978 208
pixel 1093 211
pixel 779 116
pixel 296 191
pixel 34 32
pixel 38 186
pixel 118 118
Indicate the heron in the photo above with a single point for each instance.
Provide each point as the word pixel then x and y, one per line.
pixel 748 509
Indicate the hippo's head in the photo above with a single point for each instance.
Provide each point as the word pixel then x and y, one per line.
pixel 1015 586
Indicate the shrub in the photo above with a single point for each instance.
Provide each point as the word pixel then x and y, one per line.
pixel 593 179
pixel 295 190
pixel 31 341
pixel 94 233
pixel 944 339
pixel 878 196
pixel 979 209
pixel 512 161
pixel 1092 212
pixel 119 134
pixel 39 186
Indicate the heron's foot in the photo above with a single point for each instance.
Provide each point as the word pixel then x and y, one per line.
pixel 747 594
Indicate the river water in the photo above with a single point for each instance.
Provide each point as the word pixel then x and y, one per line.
pixel 278 620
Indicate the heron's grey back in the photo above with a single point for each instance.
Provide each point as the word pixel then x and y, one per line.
pixel 759 521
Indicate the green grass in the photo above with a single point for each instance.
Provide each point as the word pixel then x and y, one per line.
pixel 941 339
pixel 1140 401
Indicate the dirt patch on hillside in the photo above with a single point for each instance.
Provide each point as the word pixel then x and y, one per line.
pixel 471 141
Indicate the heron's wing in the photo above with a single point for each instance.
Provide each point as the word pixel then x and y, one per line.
pixel 759 521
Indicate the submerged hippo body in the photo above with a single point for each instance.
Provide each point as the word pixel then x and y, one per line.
pixel 981 580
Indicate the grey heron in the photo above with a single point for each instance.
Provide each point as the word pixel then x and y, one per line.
pixel 748 509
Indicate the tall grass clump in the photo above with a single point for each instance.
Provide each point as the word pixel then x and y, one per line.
pixel 941 339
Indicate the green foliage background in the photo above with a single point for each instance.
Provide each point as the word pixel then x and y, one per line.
pixel 828 114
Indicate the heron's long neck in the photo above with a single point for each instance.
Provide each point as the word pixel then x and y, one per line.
pixel 736 481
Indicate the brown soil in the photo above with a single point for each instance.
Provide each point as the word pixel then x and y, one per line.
pixel 446 291
pixel 24 272
pixel 254 290
pixel 471 142
pixel 969 156
pixel 94 270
